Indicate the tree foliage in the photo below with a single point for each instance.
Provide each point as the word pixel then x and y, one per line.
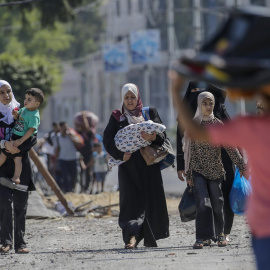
pixel 36 37
pixel 24 72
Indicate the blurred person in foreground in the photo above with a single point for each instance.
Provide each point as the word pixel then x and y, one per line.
pixel 238 57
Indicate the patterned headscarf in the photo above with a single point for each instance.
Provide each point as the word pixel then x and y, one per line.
pixel 199 117
pixel 6 110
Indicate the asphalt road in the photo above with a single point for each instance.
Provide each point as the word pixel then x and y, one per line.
pixel 89 243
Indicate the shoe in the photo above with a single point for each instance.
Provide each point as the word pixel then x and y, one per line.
pixel 198 244
pixel 222 241
pixel 227 237
pixel 207 242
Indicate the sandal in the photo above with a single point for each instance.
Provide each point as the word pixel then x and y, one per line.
pixel 198 244
pixel 132 243
pixel 22 250
pixel 5 249
pixel 207 242
pixel 227 238
pixel 222 241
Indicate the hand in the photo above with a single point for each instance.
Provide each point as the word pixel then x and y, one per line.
pixel 127 156
pixel 17 142
pixel 15 114
pixel 181 175
pixel 11 148
pixel 149 137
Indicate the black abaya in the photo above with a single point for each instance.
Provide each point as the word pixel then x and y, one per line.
pixel 143 210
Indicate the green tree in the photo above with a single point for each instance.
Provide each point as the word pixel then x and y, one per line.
pixel 24 72
pixel 36 37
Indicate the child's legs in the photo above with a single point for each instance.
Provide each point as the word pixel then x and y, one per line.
pixel 98 180
pixel 204 217
pixel 18 168
pixel 3 158
pixel 217 202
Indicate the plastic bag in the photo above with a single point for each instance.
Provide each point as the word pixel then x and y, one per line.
pixel 241 189
pixel 187 205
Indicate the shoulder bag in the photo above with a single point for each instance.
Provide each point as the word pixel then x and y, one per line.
pixel 152 154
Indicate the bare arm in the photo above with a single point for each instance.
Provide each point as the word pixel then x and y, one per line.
pixel 26 136
pixel 193 130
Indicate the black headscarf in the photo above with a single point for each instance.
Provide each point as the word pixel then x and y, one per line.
pixel 220 95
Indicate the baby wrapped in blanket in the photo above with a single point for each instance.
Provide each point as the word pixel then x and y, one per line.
pixel 129 138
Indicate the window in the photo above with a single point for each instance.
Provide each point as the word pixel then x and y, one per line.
pixel 118 8
pixel 129 7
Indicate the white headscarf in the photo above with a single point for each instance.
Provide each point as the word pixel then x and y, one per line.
pixel 6 110
pixel 131 115
pixel 199 117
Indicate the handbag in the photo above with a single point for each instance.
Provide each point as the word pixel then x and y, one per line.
pixel 158 152
pixel 153 154
pixel 187 205
pixel 241 189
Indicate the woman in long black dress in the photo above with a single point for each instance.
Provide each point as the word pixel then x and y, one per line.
pixel 12 200
pixel 143 209
pixel 193 90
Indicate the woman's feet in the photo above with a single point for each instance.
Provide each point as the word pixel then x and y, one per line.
pixel 5 249
pixel 132 243
pixel 198 244
pixel 22 250
pixel 222 241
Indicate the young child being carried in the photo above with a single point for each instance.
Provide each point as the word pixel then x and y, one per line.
pixel 25 129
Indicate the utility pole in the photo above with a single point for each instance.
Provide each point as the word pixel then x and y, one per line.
pixel 170 33
pixel 197 23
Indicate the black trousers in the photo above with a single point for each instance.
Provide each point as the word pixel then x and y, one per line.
pixel 19 201
pixel 209 200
